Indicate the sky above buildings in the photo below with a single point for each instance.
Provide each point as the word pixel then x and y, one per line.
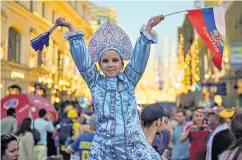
pixel 131 15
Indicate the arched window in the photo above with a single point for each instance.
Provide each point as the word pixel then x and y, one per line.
pixel 43 10
pixel 13 45
pixel 31 6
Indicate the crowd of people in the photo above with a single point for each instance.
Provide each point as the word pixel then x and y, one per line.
pixel 43 138
pixel 117 130
pixel 208 135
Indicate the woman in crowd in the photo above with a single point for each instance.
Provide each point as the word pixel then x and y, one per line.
pixel 26 141
pixel 9 147
pixel 235 150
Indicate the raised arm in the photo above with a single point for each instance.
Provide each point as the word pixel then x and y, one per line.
pixel 78 49
pixel 184 135
pixel 141 50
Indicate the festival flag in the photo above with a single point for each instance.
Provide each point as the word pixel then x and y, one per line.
pixel 210 25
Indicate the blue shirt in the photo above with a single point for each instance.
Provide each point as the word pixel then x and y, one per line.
pixel 43 127
pixel 180 151
pixel 83 144
pixel 161 141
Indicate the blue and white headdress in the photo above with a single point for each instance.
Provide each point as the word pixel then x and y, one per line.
pixel 109 36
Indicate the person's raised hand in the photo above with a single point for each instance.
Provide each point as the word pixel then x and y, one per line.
pixel 60 21
pixel 153 22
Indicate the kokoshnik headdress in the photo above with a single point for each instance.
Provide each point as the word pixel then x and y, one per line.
pixel 109 37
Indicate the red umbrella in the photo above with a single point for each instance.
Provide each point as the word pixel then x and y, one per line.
pixel 26 105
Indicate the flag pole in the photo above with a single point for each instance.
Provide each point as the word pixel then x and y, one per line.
pixel 52 29
pixel 194 9
pixel 174 13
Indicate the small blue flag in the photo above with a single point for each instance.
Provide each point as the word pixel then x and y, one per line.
pixel 42 40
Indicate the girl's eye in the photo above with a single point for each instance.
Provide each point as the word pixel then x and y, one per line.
pixel 104 60
pixel 115 60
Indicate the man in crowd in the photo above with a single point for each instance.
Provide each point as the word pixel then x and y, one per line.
pixel 196 132
pixel 155 127
pixel 9 124
pixel 172 123
pixel 43 125
pixel 180 150
pixel 220 138
pixel 65 130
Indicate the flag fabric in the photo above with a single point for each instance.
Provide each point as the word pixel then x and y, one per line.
pixel 41 41
pixel 210 25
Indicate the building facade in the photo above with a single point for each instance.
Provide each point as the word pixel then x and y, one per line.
pixel 100 15
pixel 52 70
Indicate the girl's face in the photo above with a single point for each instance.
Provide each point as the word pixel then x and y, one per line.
pixel 11 153
pixel 111 63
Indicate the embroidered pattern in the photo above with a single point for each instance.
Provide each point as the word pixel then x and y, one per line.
pixel 90 75
pixel 133 76
pixel 136 147
pixel 110 35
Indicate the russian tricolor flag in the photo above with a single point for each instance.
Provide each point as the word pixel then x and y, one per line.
pixel 210 25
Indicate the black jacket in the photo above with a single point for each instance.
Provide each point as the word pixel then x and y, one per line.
pixel 221 142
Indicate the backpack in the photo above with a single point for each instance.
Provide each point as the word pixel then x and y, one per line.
pixel 36 135
pixel 65 130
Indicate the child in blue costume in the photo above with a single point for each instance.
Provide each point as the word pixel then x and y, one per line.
pixel 119 135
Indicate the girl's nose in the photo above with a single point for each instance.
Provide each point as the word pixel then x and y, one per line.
pixel 110 64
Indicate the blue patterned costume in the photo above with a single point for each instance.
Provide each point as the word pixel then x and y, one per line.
pixel 119 135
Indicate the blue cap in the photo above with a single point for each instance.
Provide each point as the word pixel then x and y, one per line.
pixel 152 113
